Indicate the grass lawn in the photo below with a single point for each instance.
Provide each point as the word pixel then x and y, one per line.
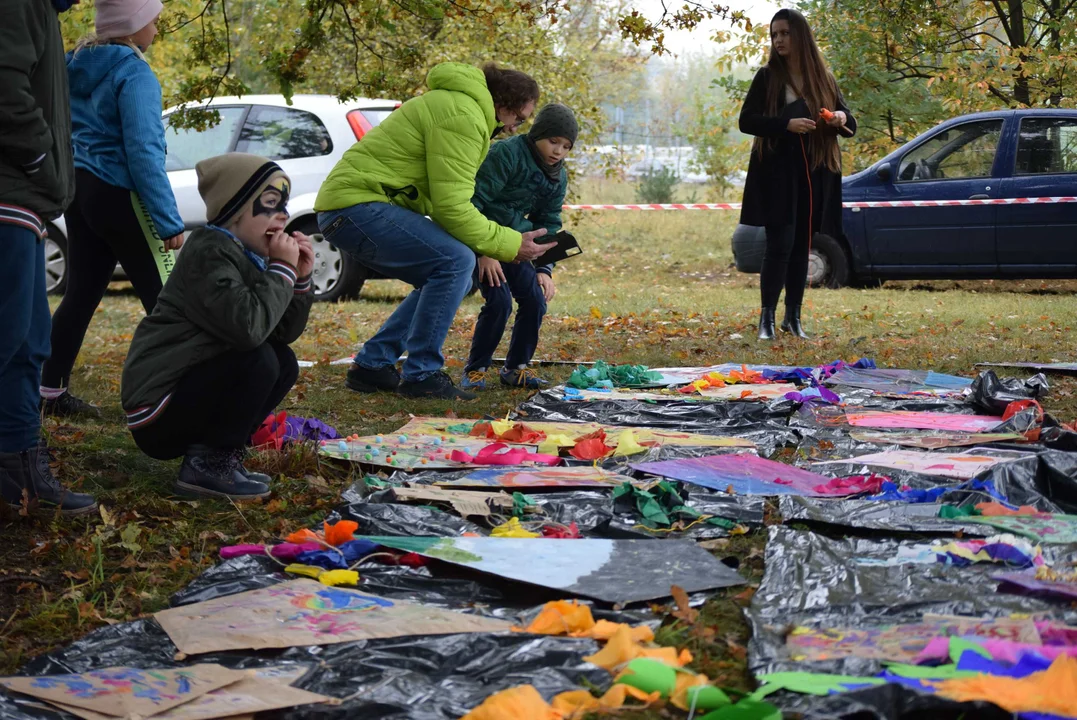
pixel 652 287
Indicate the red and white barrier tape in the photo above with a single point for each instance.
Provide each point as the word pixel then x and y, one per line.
pixel 869 204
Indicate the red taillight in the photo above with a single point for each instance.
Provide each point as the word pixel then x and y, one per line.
pixel 359 124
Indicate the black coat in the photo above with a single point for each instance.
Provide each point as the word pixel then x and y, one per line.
pixel 775 178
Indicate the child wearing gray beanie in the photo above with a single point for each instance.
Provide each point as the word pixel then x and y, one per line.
pixel 521 185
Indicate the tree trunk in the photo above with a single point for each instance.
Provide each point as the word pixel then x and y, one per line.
pixel 1018 41
pixel 1056 45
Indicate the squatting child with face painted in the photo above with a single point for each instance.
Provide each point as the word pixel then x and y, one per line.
pixel 212 360
pixel 521 185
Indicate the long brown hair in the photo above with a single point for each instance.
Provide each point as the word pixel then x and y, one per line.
pixel 818 87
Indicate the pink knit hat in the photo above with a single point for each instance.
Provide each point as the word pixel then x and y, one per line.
pixel 120 18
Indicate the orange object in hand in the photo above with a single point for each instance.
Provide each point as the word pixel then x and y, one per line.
pixel 826 115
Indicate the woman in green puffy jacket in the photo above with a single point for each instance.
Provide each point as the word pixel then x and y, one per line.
pixel 399 202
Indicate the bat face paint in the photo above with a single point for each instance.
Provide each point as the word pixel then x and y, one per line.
pixel 273 200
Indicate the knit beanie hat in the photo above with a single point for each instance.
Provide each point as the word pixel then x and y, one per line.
pixel 120 18
pixel 554 120
pixel 230 183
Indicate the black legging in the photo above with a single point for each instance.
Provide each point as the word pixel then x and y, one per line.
pixel 220 402
pixel 785 259
pixel 105 223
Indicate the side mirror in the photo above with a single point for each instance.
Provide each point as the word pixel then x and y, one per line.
pixel 883 172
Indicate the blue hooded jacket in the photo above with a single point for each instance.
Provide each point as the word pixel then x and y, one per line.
pixel 117 129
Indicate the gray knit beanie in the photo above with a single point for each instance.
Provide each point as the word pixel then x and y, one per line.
pixel 555 120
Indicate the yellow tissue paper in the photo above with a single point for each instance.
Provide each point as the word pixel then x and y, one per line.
pixel 627 445
pixel 513 529
pixel 339 577
pixel 305 570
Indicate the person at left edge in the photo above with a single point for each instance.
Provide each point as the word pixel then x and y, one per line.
pixel 36 184
pixel 123 207
pixel 212 360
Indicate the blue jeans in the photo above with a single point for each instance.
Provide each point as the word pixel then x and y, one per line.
pixel 522 284
pixel 24 337
pixel 404 245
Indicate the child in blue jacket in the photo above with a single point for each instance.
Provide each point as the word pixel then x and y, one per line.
pixel 521 185
pixel 123 209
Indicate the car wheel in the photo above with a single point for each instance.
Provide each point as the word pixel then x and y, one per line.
pixel 55 261
pixel 828 265
pixel 336 275
pixel 749 244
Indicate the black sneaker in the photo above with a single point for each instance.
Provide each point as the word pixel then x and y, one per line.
pixel 27 474
pixel 436 385
pixel 241 455
pixel 69 406
pixel 215 473
pixel 361 379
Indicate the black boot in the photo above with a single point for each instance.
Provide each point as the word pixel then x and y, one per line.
pixel 791 323
pixel 27 474
pixel 216 473
pixel 240 454
pixel 766 323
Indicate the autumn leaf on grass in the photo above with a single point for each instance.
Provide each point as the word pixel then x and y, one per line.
pixel 596 313
pixel 745 596
pixel 684 610
pixel 737 650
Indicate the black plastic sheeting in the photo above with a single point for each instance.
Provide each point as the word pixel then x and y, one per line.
pixel 700 417
pixel 992 395
pixel 887 517
pixel 815 580
pixel 888 702
pixel 426 678
pixel 422 678
pixel 592 510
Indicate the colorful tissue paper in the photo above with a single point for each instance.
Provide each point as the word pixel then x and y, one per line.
pixel 513 529
pixel 853 485
pixel 283 551
pixel 502 454
pixel 1053 690
pixel 1007 549
pixel 339 558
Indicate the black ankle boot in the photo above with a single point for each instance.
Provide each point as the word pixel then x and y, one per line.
pixel 766 323
pixel 216 473
pixel 28 475
pixel 791 323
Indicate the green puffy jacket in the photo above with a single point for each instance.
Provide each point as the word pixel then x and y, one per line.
pixel 424 157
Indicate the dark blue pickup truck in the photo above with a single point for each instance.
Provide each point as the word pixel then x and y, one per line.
pixel 992 155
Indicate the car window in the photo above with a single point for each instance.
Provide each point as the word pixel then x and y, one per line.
pixel 963 151
pixel 1047 145
pixel 187 148
pixel 280 133
pixel 374 117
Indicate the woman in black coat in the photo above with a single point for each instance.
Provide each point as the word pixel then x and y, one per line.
pixel 793 189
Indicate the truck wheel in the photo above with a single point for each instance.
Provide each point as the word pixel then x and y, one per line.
pixel 828 264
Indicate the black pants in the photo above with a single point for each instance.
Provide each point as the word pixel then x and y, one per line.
pixel 785 260
pixel 105 223
pixel 220 402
